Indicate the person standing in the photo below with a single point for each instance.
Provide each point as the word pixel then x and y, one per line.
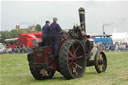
pixel 45 33
pixel 54 30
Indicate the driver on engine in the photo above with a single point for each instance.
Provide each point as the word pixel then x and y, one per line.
pixel 54 30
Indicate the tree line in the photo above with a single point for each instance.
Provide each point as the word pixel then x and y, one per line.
pixel 15 33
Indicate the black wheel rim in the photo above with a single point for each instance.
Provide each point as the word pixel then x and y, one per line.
pixel 100 62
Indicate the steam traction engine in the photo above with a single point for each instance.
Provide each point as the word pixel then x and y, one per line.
pixel 74 55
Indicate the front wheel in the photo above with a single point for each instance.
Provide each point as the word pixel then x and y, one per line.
pixel 100 62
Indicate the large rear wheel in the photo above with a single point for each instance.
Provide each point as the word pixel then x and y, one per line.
pixel 38 72
pixel 72 59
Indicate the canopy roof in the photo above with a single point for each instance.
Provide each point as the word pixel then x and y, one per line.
pixel 120 37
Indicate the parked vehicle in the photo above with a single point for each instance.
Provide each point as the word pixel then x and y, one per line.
pixel 2 48
pixel 28 39
pixel 23 43
pixel 106 42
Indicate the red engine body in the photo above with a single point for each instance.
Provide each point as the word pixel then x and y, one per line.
pixel 43 56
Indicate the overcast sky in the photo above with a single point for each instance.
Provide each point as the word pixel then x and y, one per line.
pixel 26 13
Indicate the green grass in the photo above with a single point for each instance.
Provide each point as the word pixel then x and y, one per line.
pixel 15 71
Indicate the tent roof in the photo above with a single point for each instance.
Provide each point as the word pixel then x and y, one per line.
pixel 119 36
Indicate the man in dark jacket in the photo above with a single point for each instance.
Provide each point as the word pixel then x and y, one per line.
pixel 55 29
pixel 46 32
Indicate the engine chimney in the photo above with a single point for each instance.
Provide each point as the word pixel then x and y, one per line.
pixel 82 18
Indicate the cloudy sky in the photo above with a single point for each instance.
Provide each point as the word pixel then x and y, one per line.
pixel 26 13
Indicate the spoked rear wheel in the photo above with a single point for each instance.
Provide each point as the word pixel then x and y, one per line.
pixel 100 62
pixel 41 74
pixel 72 59
pixel 38 72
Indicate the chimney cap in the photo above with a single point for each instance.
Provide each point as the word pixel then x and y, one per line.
pixel 81 9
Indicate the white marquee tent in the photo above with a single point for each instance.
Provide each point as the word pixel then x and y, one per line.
pixel 120 37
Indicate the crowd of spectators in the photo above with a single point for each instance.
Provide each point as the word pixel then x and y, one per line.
pixel 14 48
pixel 120 46
pixel 116 47
pixel 21 49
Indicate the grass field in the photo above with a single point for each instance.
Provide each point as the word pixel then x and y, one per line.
pixel 15 71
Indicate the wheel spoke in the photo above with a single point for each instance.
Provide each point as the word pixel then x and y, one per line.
pixel 104 63
pixel 77 49
pixel 72 48
pixel 103 66
pixel 71 54
pixel 100 67
pixel 102 59
pixel 97 61
pixel 69 58
pixel 99 56
pixel 76 73
pixel 70 65
pixel 71 68
pixel 78 65
pixel 79 57
pixel 74 53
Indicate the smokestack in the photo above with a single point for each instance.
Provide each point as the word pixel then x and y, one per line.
pixel 82 18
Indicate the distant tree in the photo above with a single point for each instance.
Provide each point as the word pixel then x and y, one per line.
pixel 15 33
pixel 9 34
pixel 4 35
pixel 38 28
pixel 30 31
